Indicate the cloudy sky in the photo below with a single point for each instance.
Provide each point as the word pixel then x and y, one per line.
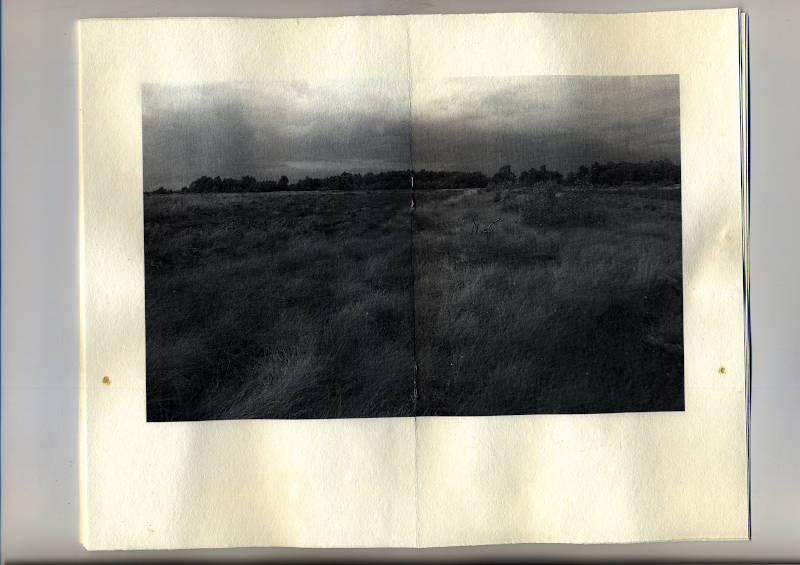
pixel 302 128
pixel 561 122
pixel 267 130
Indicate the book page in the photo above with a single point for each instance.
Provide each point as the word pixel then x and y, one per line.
pixel 631 460
pixel 411 281
pixel 154 475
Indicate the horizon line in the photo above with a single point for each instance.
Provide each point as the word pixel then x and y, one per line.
pixel 411 171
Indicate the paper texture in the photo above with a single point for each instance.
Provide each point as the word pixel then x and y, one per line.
pixel 404 481
pixel 612 477
pixel 316 483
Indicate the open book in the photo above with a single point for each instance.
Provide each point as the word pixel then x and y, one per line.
pixel 414 280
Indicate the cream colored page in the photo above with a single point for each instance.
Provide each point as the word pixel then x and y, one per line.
pixel 628 477
pixel 214 483
pixel 625 477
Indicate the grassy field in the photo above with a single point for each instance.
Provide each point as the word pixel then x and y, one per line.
pixel 282 305
pixel 548 300
pixel 521 300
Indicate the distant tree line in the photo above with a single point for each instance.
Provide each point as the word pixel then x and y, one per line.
pixel 526 178
pixel 610 173
pixel 387 180
pixel 430 180
pixel 661 172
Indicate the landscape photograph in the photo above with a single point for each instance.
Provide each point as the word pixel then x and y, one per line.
pixel 468 247
pixel 556 287
pixel 275 285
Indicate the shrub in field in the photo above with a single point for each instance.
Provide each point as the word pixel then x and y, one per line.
pixel 504 175
pixel 532 176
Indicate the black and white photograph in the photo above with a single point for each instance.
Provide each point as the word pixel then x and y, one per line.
pixel 468 247
pixel 551 282
pixel 278 276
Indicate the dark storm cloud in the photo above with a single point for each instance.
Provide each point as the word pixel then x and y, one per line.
pixel 562 122
pixel 301 128
pixel 267 130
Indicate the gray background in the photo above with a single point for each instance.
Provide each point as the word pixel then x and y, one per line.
pixel 40 279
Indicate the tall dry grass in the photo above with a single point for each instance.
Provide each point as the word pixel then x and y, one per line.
pixel 278 306
pixel 521 300
pixel 572 304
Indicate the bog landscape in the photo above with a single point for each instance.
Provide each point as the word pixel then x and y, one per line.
pixel 438 291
